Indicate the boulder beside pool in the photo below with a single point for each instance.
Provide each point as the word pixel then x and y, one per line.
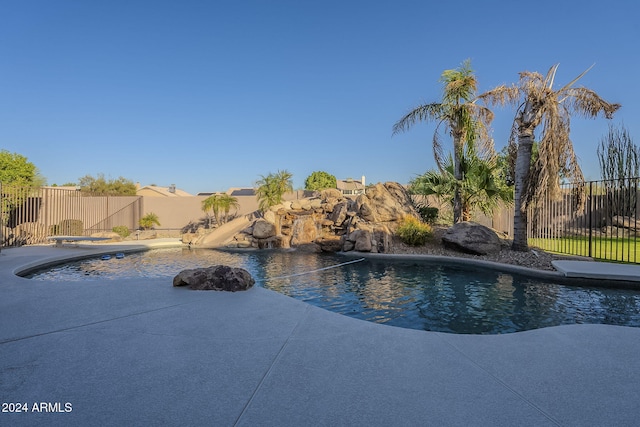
pixel 472 238
pixel 216 278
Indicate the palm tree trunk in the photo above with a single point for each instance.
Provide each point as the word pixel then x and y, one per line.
pixel 523 167
pixel 457 174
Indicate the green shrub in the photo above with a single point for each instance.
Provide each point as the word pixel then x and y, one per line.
pixel 428 214
pixel 70 227
pixel 413 232
pixel 122 230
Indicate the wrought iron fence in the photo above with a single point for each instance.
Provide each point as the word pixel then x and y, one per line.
pixel 28 215
pixel 599 219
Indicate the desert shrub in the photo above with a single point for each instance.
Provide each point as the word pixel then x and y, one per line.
pixel 70 227
pixel 122 230
pixel 413 232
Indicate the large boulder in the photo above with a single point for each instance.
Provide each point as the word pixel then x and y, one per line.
pixel 331 193
pixel 363 241
pixel 29 233
pixel 263 229
pixel 339 213
pixel 6 234
pixel 217 278
pixel 330 244
pixel 626 222
pixel 472 238
pixel 385 203
pixel 304 230
pixel 145 234
pixel 359 240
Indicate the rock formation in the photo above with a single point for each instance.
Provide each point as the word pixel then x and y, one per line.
pixel 217 278
pixel 332 222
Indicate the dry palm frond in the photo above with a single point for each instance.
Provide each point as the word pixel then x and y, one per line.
pixel 501 95
pixel 587 103
pixel 438 151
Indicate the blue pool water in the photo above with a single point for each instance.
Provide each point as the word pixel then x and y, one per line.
pixel 416 295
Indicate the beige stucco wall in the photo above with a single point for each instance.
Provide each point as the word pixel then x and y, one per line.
pixel 177 212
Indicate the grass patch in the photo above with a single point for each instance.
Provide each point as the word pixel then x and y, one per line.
pixel 603 248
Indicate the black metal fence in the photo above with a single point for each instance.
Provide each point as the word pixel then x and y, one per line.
pixel 599 219
pixel 28 215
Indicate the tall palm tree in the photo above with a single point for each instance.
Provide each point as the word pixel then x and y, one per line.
pixel 466 122
pixel 542 105
pixel 228 202
pixel 271 188
pixel 213 203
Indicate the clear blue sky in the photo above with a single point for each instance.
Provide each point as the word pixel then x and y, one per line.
pixel 213 94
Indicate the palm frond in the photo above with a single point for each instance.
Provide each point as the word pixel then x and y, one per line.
pixel 551 74
pixel 423 113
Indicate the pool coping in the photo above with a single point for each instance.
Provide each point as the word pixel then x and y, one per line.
pixel 574 273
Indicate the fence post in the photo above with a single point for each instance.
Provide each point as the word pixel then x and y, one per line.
pixel 1 220
pixel 590 216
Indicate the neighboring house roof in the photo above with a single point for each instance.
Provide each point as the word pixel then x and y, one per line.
pixel 233 191
pixel 349 186
pixel 241 192
pixel 154 190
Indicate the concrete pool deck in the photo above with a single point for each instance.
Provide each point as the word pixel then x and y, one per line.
pixel 140 352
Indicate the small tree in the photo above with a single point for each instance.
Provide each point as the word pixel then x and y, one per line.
pixel 320 180
pixel 212 203
pixel 16 170
pixel 103 187
pixel 149 220
pixel 271 188
pixel 619 157
pixel 227 203
pixel 481 187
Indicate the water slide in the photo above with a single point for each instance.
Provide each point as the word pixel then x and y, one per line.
pixel 223 235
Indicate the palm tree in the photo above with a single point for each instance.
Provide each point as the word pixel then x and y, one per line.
pixel 481 188
pixel 149 220
pixel 465 121
pixel 228 202
pixel 552 109
pixel 212 203
pixel 272 187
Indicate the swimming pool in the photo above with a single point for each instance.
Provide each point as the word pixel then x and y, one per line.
pixel 409 294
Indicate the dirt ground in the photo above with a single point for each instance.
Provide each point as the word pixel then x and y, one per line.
pixel 534 258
